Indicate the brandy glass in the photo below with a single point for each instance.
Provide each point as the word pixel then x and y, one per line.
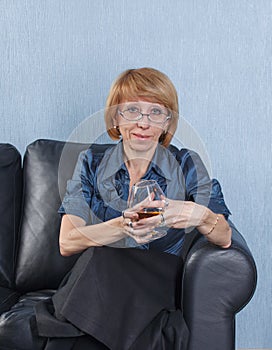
pixel 142 196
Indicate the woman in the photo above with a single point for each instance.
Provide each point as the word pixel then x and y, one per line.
pixel 144 91
pixel 141 111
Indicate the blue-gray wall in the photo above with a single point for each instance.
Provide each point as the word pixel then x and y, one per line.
pixel 59 57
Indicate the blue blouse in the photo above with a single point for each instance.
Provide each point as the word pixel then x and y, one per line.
pixel 99 188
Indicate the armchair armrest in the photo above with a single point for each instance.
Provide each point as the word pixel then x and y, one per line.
pixel 217 283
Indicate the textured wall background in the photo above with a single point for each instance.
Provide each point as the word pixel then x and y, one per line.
pixel 59 57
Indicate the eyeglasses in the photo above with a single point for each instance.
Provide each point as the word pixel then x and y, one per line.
pixel 156 115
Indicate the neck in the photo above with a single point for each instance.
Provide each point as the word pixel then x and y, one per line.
pixel 137 163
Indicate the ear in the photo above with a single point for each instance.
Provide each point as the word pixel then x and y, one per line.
pixel 114 123
pixel 116 126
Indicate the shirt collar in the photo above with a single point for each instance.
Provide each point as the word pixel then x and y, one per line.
pixel 163 161
pixel 113 161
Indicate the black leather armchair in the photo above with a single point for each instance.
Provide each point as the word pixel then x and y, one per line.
pixel 217 283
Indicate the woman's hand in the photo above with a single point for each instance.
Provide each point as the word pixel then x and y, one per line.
pixel 176 214
pixel 139 230
pixel 142 230
pixel 179 214
pixel 185 214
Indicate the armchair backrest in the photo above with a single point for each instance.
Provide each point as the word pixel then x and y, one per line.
pixel 39 263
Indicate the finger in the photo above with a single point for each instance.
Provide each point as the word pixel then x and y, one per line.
pixel 138 232
pixel 150 223
pixel 129 214
pixel 147 237
pixel 155 204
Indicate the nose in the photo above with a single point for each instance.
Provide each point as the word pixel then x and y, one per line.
pixel 144 122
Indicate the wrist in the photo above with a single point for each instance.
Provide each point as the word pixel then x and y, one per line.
pixel 212 227
pixel 209 223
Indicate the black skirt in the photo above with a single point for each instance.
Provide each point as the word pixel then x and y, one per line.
pixel 117 299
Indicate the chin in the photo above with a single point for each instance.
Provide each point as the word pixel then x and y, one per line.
pixel 142 145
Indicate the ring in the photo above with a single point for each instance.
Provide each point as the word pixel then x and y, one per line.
pixel 130 224
pixel 123 214
pixel 162 223
pixel 166 203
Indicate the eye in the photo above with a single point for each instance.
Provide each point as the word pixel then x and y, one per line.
pixel 156 111
pixel 133 109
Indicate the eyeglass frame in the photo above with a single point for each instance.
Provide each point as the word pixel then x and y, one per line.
pixel 141 115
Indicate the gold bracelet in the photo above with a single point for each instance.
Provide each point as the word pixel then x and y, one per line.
pixel 211 230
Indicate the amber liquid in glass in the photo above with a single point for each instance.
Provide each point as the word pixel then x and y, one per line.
pixel 148 212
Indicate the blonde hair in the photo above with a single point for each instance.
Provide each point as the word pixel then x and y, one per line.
pixel 150 85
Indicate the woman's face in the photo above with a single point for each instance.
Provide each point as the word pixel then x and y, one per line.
pixel 141 123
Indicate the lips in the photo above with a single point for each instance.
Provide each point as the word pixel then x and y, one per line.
pixel 141 136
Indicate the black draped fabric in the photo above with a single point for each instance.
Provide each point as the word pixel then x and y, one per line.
pixel 167 331
pixel 121 297
pixel 75 343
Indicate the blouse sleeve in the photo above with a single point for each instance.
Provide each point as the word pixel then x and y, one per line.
pixel 79 189
pixel 200 188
